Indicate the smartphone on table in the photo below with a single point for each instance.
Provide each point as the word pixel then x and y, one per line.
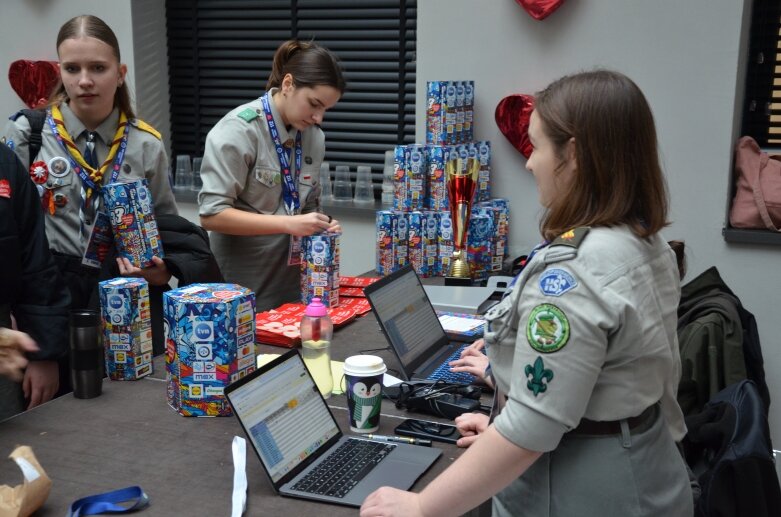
pixel 429 430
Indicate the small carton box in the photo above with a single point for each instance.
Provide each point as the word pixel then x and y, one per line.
pixel 386 222
pixel 133 222
pixel 210 342
pixel 320 268
pixel 127 328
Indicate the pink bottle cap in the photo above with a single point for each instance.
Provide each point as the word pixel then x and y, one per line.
pixel 316 308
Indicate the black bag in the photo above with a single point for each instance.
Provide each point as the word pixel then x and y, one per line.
pixel 728 448
pixel 36 119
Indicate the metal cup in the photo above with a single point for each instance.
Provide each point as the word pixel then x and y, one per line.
pixel 86 354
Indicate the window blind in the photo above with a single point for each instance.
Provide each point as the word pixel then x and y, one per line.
pixel 220 54
pixel 762 105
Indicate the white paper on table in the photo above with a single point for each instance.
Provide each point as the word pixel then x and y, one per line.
pixel 459 324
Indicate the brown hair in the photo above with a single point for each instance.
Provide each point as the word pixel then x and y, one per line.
pixel 93 27
pixel 618 179
pixel 308 63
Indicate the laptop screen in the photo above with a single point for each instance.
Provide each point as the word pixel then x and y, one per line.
pixel 405 313
pixel 283 414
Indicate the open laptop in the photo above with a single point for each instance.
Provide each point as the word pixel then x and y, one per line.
pixel 299 443
pixel 412 328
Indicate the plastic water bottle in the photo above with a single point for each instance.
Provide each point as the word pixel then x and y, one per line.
pixel 316 333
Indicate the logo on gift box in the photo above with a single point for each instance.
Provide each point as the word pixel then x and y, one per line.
pixel 203 331
pixel 203 351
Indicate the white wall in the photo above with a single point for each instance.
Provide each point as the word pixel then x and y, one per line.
pixel 685 57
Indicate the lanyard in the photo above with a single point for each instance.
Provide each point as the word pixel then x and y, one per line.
pixel 92 178
pixel 107 502
pixel 289 190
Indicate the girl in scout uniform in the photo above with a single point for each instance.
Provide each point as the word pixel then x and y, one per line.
pixel 260 173
pixel 585 345
pixel 91 105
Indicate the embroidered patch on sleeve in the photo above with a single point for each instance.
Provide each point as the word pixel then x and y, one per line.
pixel 555 282
pixel 547 329
pixel 247 114
pixel 538 377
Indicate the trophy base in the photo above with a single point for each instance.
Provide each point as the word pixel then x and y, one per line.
pixel 458 280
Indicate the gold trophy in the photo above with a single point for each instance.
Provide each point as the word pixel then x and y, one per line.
pixel 461 181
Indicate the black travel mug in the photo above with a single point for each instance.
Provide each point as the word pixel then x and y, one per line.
pixel 86 354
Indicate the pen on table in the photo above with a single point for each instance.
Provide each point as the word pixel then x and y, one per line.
pixel 400 439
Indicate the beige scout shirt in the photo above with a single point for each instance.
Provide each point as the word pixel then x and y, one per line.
pixel 589 331
pixel 241 169
pixel 145 157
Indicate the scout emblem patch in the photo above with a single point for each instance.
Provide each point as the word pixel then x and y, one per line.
pixel 59 167
pixel 571 238
pixel 555 282
pixel 547 329
pixel 5 189
pixel 537 377
pixel 39 173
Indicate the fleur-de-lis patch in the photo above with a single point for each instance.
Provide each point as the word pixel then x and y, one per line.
pixel 540 377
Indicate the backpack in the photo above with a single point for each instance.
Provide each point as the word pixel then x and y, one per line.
pixel 728 448
pixel 36 118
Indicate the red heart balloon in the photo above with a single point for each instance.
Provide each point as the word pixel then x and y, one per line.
pixel 512 116
pixel 540 9
pixel 33 80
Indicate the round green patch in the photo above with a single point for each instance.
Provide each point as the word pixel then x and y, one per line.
pixel 547 329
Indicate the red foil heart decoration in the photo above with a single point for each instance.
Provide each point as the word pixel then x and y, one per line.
pixel 540 9
pixel 512 116
pixel 33 80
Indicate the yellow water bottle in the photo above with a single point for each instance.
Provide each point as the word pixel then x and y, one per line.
pixel 316 332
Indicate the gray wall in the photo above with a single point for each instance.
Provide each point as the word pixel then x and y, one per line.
pixel 684 55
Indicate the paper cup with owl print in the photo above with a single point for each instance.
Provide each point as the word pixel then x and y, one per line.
pixel 363 378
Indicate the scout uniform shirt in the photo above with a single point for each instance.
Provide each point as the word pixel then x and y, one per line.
pixel 589 331
pixel 241 170
pixel 145 157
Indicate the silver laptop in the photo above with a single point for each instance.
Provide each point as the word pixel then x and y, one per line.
pixel 412 328
pixel 300 446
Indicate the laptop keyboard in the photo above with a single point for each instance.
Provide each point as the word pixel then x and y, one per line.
pixel 344 468
pixel 443 373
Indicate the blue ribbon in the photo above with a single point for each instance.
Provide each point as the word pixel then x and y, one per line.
pixel 289 189
pixel 107 502
pixel 528 259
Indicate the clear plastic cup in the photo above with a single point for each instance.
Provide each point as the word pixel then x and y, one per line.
pixel 343 187
pixel 184 172
pixel 325 182
pixel 364 191
pixel 197 183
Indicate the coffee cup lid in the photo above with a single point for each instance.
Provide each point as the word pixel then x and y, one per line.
pixel 364 365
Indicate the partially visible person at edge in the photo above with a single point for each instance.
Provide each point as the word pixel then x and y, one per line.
pixel 260 172
pixel 90 105
pixel 584 349
pixel 32 289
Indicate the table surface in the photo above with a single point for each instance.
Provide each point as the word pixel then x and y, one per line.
pixel 130 436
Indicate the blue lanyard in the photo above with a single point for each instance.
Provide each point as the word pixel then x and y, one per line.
pixel 116 166
pixel 289 189
pixel 107 502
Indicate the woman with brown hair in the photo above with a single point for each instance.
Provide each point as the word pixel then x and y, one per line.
pixel 584 349
pixel 91 137
pixel 260 172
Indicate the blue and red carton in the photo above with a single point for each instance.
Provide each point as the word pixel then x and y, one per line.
pixel 210 342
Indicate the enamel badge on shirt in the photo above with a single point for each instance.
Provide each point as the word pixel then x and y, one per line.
pixel 555 282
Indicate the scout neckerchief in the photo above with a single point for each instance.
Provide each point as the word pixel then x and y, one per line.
pixel 289 188
pixel 91 178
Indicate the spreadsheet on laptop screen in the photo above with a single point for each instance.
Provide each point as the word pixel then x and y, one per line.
pixel 284 416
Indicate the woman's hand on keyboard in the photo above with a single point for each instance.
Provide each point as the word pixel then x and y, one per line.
pixel 473 361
